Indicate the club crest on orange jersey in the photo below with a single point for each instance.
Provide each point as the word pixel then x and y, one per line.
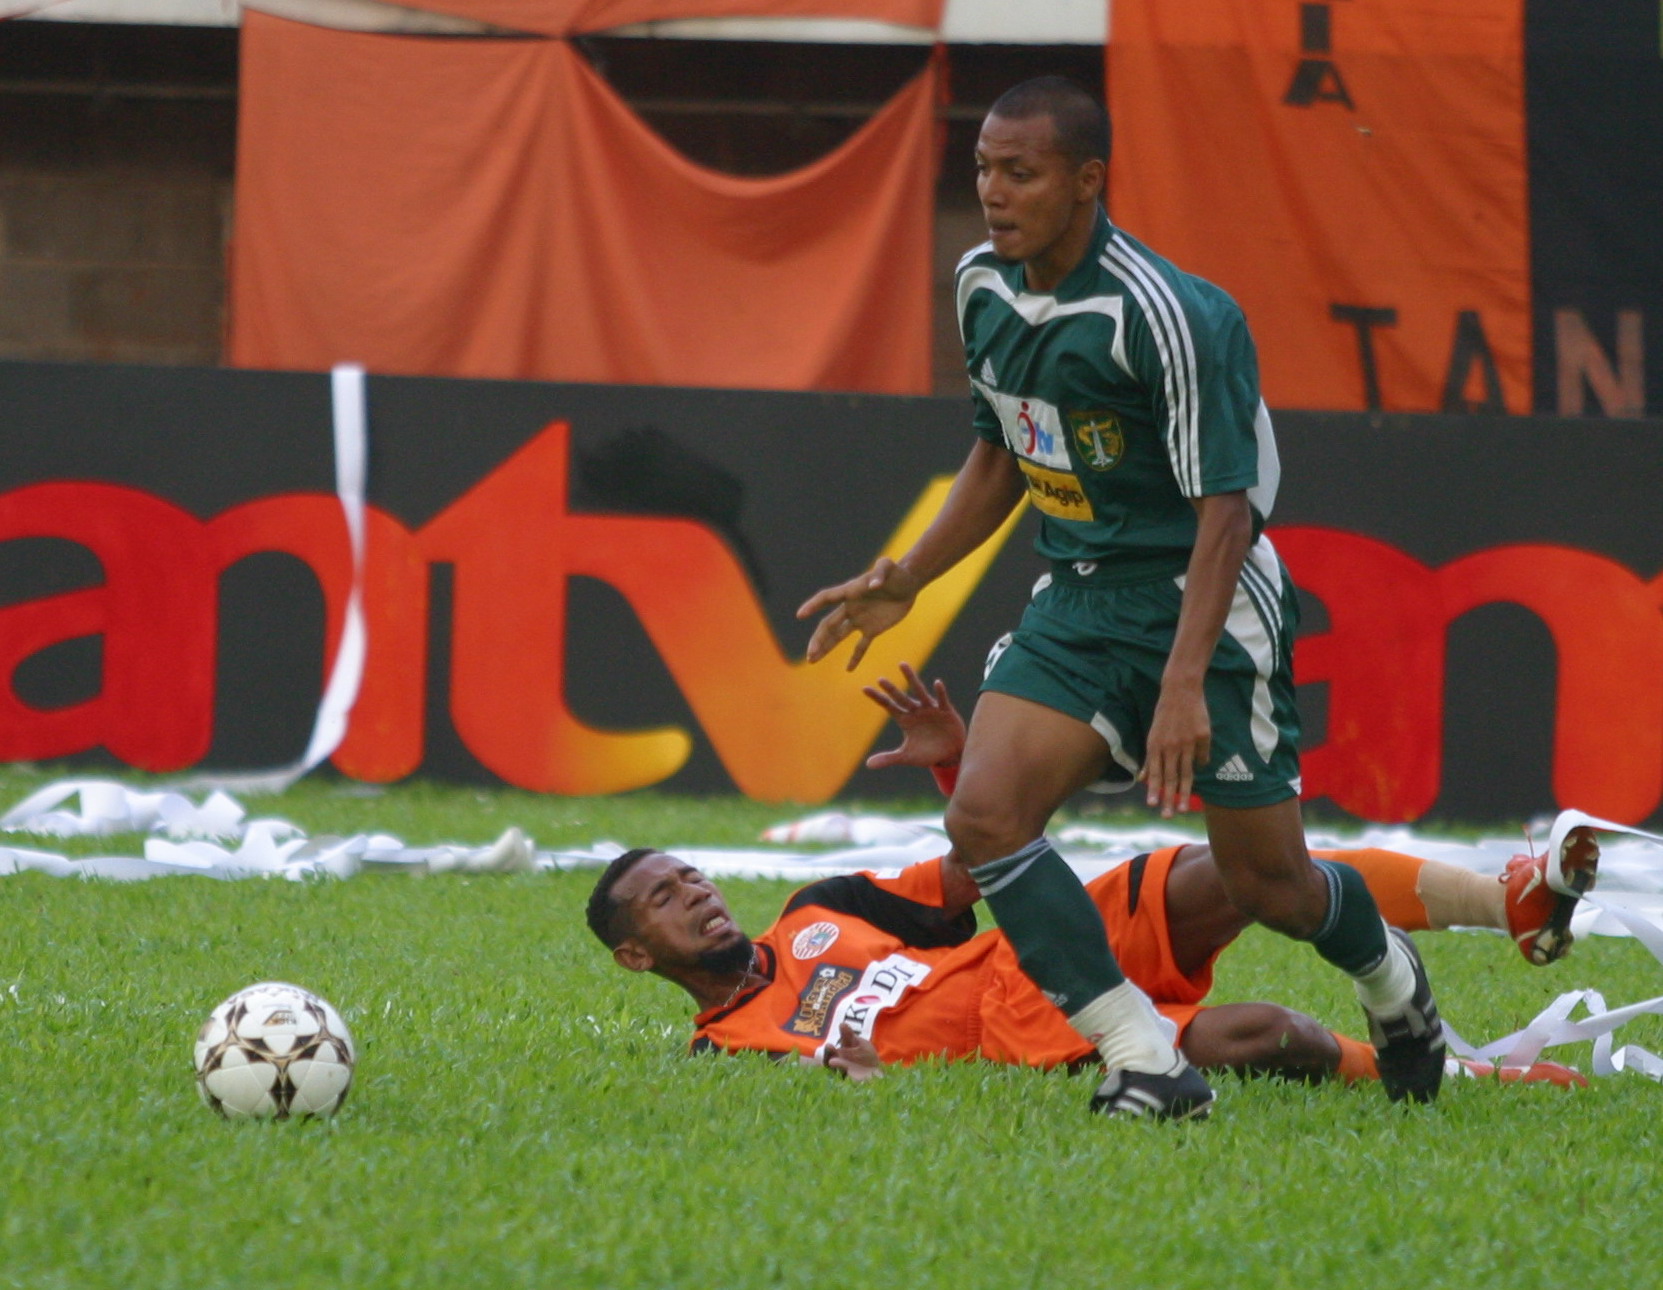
pixel 1099 438
pixel 814 940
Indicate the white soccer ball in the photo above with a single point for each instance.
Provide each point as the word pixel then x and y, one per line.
pixel 272 1051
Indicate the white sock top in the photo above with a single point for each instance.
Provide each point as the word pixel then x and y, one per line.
pixel 1387 988
pixel 1125 1028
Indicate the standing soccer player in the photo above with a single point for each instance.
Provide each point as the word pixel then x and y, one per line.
pixel 1122 395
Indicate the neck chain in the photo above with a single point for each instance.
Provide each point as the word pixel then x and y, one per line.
pixel 743 978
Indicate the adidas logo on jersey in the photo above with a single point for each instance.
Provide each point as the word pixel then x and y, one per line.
pixel 1234 770
pixel 987 373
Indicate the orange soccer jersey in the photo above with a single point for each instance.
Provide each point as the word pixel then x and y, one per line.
pixel 879 952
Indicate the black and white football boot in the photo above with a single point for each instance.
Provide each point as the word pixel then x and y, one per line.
pixel 1409 1044
pixel 1182 1094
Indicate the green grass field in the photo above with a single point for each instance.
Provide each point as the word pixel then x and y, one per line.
pixel 523 1114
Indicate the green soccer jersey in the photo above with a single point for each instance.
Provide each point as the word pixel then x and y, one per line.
pixel 1124 393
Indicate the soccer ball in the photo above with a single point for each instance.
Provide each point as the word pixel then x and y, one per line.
pixel 272 1051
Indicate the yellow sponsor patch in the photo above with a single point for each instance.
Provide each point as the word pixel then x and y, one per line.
pixel 1056 492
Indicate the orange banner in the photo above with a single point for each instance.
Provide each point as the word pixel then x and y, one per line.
pixel 1353 173
pixel 492 208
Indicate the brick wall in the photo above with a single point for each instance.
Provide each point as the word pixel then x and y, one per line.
pixel 116 152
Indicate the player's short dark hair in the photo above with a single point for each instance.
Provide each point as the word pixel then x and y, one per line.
pixel 1083 130
pixel 605 915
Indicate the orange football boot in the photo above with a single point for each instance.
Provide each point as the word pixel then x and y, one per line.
pixel 1535 1073
pixel 1538 917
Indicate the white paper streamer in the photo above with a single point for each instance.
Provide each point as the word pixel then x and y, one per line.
pixel 351 465
pixel 1630 881
pixel 107 808
pixel 1555 1027
pixel 346 671
pixel 835 828
pixel 198 840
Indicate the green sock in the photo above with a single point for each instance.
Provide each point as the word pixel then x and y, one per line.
pixel 1351 937
pixel 1051 923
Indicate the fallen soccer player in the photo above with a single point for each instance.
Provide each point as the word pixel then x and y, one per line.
pixel 865 969
pixel 868 969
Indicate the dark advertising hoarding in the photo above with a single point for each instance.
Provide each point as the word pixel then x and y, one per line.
pixel 586 589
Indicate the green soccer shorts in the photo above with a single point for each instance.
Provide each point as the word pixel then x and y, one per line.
pixel 1096 652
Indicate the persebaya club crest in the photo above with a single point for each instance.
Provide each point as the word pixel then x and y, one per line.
pixel 1097 434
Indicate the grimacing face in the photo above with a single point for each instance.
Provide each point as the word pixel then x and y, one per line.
pixel 1030 189
pixel 675 915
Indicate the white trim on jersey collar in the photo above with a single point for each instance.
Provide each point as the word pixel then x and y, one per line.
pixel 1036 309
pixel 972 253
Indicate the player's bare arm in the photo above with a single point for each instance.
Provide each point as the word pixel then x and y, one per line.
pixel 987 487
pixel 1180 736
pixel 933 737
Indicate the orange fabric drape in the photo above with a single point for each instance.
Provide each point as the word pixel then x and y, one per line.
pixel 574 17
pixel 1353 173
pixel 491 208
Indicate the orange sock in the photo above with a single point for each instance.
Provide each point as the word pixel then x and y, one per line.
pixel 1392 880
pixel 1356 1059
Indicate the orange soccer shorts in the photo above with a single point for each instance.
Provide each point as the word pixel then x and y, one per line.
pixel 1018 1024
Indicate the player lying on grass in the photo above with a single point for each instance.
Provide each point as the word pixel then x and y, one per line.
pixel 870 968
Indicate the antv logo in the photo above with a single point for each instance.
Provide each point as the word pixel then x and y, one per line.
pixel 791 731
pixel 788 731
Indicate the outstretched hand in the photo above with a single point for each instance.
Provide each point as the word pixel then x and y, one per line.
pixel 870 604
pixel 932 731
pixel 854 1056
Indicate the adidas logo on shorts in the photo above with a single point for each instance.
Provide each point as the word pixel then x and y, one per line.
pixel 1234 770
pixel 999 647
